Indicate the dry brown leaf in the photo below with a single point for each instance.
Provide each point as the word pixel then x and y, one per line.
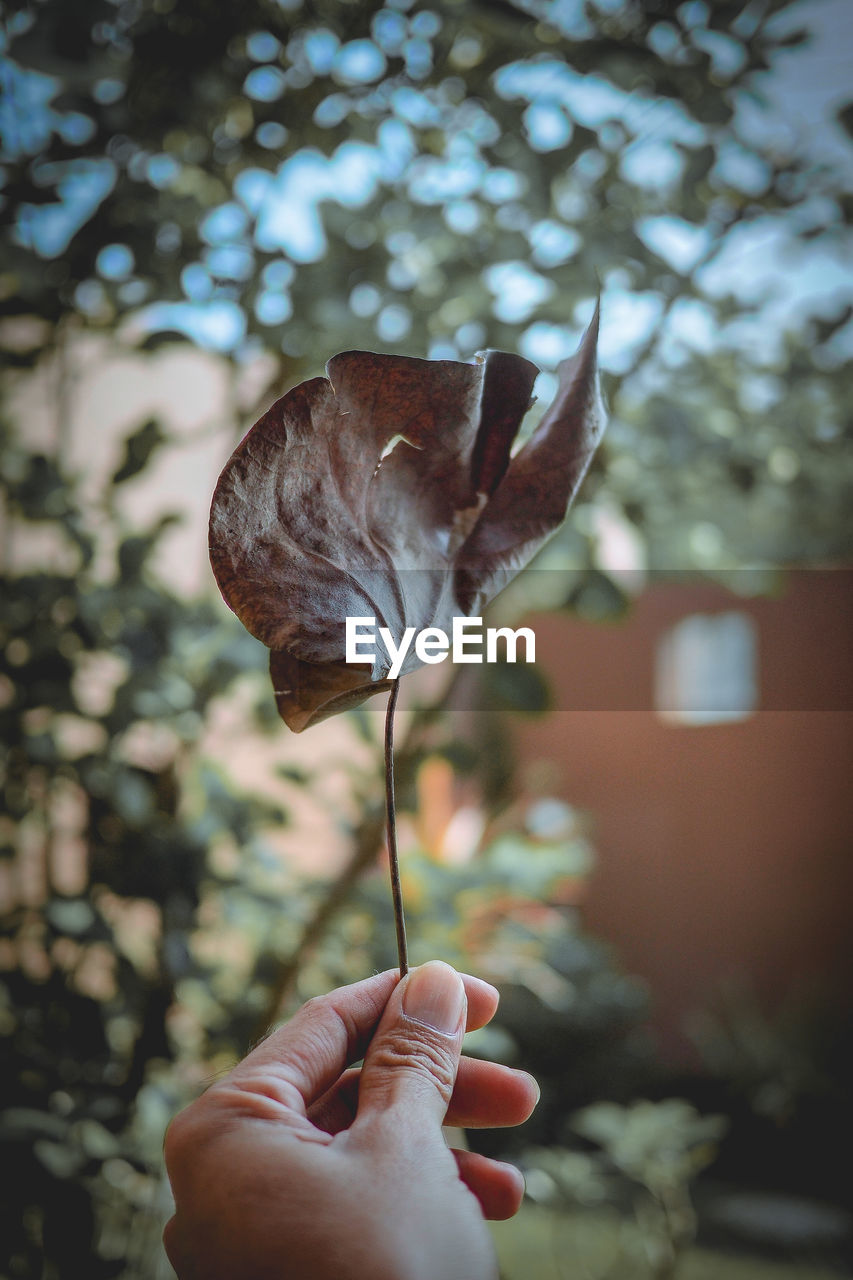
pixel 387 489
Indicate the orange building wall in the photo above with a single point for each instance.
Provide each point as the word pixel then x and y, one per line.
pixel 724 850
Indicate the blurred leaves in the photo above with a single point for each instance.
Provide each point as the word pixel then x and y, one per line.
pixel 515 687
pixel 654 1148
pixel 138 450
pixel 438 182
pixel 845 117
pixel 107 869
pixel 660 1145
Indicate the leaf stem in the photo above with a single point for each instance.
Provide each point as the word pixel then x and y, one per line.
pixel 391 821
pixel 367 839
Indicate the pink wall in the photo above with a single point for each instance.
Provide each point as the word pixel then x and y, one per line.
pixel 724 850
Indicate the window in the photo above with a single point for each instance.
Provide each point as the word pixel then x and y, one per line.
pixel 706 671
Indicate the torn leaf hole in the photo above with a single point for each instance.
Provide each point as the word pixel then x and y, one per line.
pixel 392 445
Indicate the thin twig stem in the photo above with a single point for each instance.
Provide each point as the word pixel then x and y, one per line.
pixel 391 821
pixel 367 839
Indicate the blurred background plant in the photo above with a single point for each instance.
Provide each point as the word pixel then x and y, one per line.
pixel 203 203
pixel 658 1147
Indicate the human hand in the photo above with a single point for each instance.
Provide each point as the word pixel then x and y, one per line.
pixel 292 1166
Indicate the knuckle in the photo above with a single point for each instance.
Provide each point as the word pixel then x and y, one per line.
pixel 270 1094
pixel 422 1057
pixel 322 1013
pixel 316 1005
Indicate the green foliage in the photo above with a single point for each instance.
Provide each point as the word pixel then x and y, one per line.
pixel 138 451
pixel 600 1244
pixel 93 832
pixel 518 687
pixel 479 173
pixel 658 1147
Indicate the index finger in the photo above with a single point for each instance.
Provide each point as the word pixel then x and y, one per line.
pixel 301 1060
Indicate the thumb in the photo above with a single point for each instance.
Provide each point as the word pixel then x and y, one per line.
pixel 410 1067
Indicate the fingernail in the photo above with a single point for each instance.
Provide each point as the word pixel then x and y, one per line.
pixel 435 996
